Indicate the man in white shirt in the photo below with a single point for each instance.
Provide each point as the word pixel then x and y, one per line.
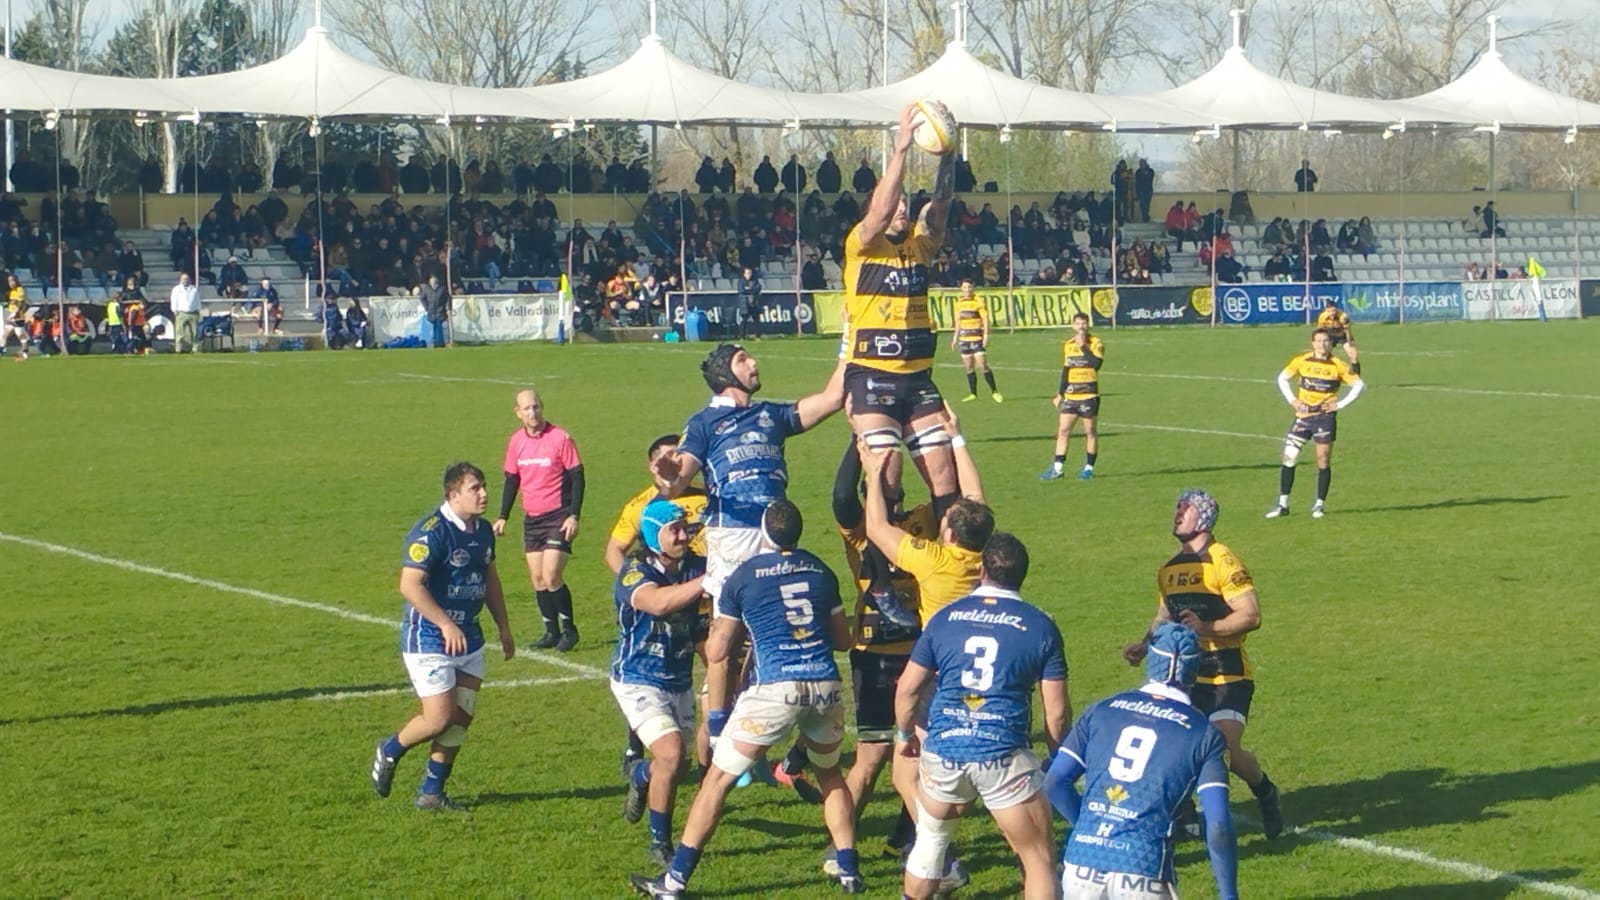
pixel 186 308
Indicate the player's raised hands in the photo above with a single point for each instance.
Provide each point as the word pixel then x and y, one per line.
pixel 952 425
pixel 667 466
pixel 1134 653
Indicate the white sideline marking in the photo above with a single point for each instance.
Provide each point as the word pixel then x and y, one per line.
pixel 451 379
pixel 1231 379
pixel 380 692
pixel 1455 867
pixel 341 612
pixel 1239 434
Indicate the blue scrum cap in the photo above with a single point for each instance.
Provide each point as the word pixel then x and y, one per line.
pixel 1204 504
pixel 658 515
pixel 1173 656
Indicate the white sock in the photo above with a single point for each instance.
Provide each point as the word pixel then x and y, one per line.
pixel 1283 500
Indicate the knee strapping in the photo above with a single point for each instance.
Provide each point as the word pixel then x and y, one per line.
pixel 727 758
pixel 881 439
pixel 926 859
pixel 821 760
pixel 928 440
pixel 456 734
pixel 1291 450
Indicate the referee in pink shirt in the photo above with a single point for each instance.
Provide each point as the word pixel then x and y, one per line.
pixel 542 463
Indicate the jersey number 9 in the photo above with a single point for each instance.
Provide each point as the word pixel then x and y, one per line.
pixel 1134 747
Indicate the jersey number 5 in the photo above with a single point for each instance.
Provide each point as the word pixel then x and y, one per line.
pixel 1134 747
pixel 980 675
pixel 796 608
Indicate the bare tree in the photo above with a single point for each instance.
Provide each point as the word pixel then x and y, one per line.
pixel 274 31
pixel 1068 43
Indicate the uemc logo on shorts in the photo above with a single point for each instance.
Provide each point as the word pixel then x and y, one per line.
pixel 811 698
pixel 994 765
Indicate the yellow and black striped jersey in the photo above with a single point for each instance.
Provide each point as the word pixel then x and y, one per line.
pixel 1205 582
pixel 1319 378
pixel 971 319
pixel 945 572
pixel 692 502
pixel 1081 367
pixel 1335 320
pixel 886 300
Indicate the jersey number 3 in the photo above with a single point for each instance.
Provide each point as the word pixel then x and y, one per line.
pixel 1134 747
pixel 980 675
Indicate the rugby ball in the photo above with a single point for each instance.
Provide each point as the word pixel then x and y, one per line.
pixel 934 127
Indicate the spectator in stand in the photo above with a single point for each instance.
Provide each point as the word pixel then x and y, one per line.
pixel 266 307
pixel 1322 267
pixel 413 176
pixel 1144 188
pixel 1160 260
pixel 1474 272
pixel 619 291
pixel 185 302
pixel 1305 179
pixel 182 243
pixel 1178 225
pixel 727 176
pixel 749 303
pixel 864 180
pixel 1349 238
pixel 1130 271
pixel 1277 268
pixel 45 331
pixel 1045 277
pixel 829 178
pixel 1229 270
pixel 1239 210
pixel 231 280
pixel 1500 272
pixel 150 175
pixel 765 177
pixel 705 177
pixel 1491 222
pixel 965 181
pixel 812 277
pixel 794 176
pixel 1122 189
pixel 355 323
pixel 653 299
pixel 1321 240
pixel 1366 237
pixel 1474 222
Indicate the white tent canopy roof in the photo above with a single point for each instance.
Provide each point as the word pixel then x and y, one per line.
pixel 28 88
pixel 983 96
pixel 1236 94
pixel 653 86
pixel 1489 93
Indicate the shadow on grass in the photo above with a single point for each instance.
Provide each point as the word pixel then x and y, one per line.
pixel 1472 890
pixel 166 706
pixel 1455 503
pixel 587 792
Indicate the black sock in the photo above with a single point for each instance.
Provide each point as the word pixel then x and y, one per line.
pixel 988 377
pixel 905 829
pixel 972 382
pixel 1285 479
pixel 1089 458
pixel 635 746
pixel 1061 459
pixel 561 601
pixel 1324 478
pixel 942 504
pixel 1262 787
pixel 547 611
pixel 796 761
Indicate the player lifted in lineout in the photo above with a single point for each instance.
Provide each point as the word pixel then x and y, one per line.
pixel 889 376
pixel 1337 323
pixel 1316 408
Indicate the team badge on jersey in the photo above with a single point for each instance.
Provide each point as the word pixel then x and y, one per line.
pixel 459 558
pixel 418 552
pixel 633 577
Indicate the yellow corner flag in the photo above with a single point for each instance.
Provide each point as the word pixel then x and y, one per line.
pixel 1534 269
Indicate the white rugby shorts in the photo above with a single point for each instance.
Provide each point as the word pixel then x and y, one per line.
pixel 652 712
pixel 435 673
pixel 1084 883
pixel 1002 782
pixel 764 714
pixel 726 549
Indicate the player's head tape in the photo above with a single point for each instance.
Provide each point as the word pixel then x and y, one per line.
pixel 1205 506
pixel 718 368
pixel 782 525
pixel 1173 656
pixel 658 515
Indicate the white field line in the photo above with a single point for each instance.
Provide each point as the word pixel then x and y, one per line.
pixel 1455 867
pixel 1113 426
pixel 587 673
pixel 451 379
pixel 1230 379
pixel 279 599
pixel 514 683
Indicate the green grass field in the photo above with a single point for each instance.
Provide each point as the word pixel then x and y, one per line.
pixel 1427 664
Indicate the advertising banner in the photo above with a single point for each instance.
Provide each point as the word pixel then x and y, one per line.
pixel 1381 301
pixel 1019 308
pixel 1532 298
pixel 780 314
pixel 1589 297
pixel 474 319
pixel 1136 306
pixel 1274 303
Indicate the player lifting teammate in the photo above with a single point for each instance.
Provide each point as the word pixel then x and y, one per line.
pixel 970 338
pixel 1316 406
pixel 889 378
pixel 1078 397
pixel 1146 751
pixel 1208 589
pixel 983 655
